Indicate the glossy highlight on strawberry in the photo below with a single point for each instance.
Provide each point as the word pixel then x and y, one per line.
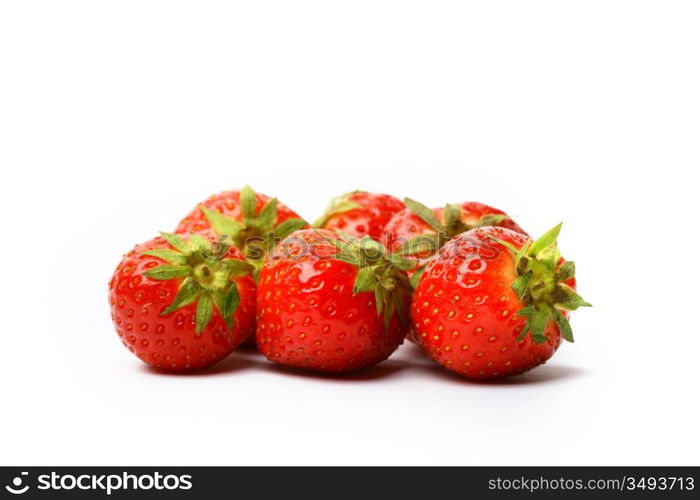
pixel 418 231
pixel 330 305
pixel 254 221
pixel 495 303
pixel 181 303
pixel 464 281
pixel 360 213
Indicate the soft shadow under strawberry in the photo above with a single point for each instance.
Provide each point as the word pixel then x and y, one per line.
pixel 542 375
pixel 233 363
pixel 381 371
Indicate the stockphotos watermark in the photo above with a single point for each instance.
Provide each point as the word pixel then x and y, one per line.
pixel 298 248
pixel 106 483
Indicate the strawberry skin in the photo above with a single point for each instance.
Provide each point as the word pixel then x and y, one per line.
pixel 468 315
pixel 310 316
pixel 360 214
pixel 170 341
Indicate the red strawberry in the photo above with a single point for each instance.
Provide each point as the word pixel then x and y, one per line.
pixel 418 231
pixel 329 304
pixel 495 303
pixel 254 221
pixel 360 214
pixel 182 304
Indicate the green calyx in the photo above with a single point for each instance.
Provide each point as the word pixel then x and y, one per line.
pixel 206 276
pixel 259 232
pixel 540 284
pixel 452 226
pixel 378 272
pixel 338 205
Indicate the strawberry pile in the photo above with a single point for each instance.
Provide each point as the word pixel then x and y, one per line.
pixel 464 281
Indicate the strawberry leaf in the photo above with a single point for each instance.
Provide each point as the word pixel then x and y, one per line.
pixel 188 293
pixel 338 205
pixel 227 301
pixel 248 203
pixel 401 263
pixel 222 224
pixel 238 267
pixel 508 246
pixel 423 244
pixel 268 215
pixel 546 240
pixel 231 301
pixel 380 298
pixel 349 259
pixel 568 299
pixel 169 256
pixel 520 284
pixel 528 312
pixel 175 241
pixel 491 220
pixel 199 243
pixel 453 216
pixel 371 250
pixel 426 214
pixel 550 256
pixel 204 313
pixel 416 276
pixel 287 227
pixel 364 281
pixel 566 271
pixel 167 272
pixel 564 325
pixel 347 251
pixel 539 322
pixel 539 339
pixel 522 252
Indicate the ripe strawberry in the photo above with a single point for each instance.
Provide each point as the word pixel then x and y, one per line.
pixel 330 304
pixel 420 232
pixel 495 303
pixel 182 304
pixel 360 214
pixel 254 221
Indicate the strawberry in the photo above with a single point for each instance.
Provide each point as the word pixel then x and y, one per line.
pixel 360 214
pixel 495 303
pixel 254 221
pixel 330 303
pixel 419 231
pixel 182 304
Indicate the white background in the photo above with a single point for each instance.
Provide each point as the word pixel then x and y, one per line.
pixel 116 118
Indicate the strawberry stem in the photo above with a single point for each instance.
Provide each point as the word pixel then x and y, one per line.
pixel 540 284
pixel 206 276
pixel 378 271
pixel 258 234
pixel 428 244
